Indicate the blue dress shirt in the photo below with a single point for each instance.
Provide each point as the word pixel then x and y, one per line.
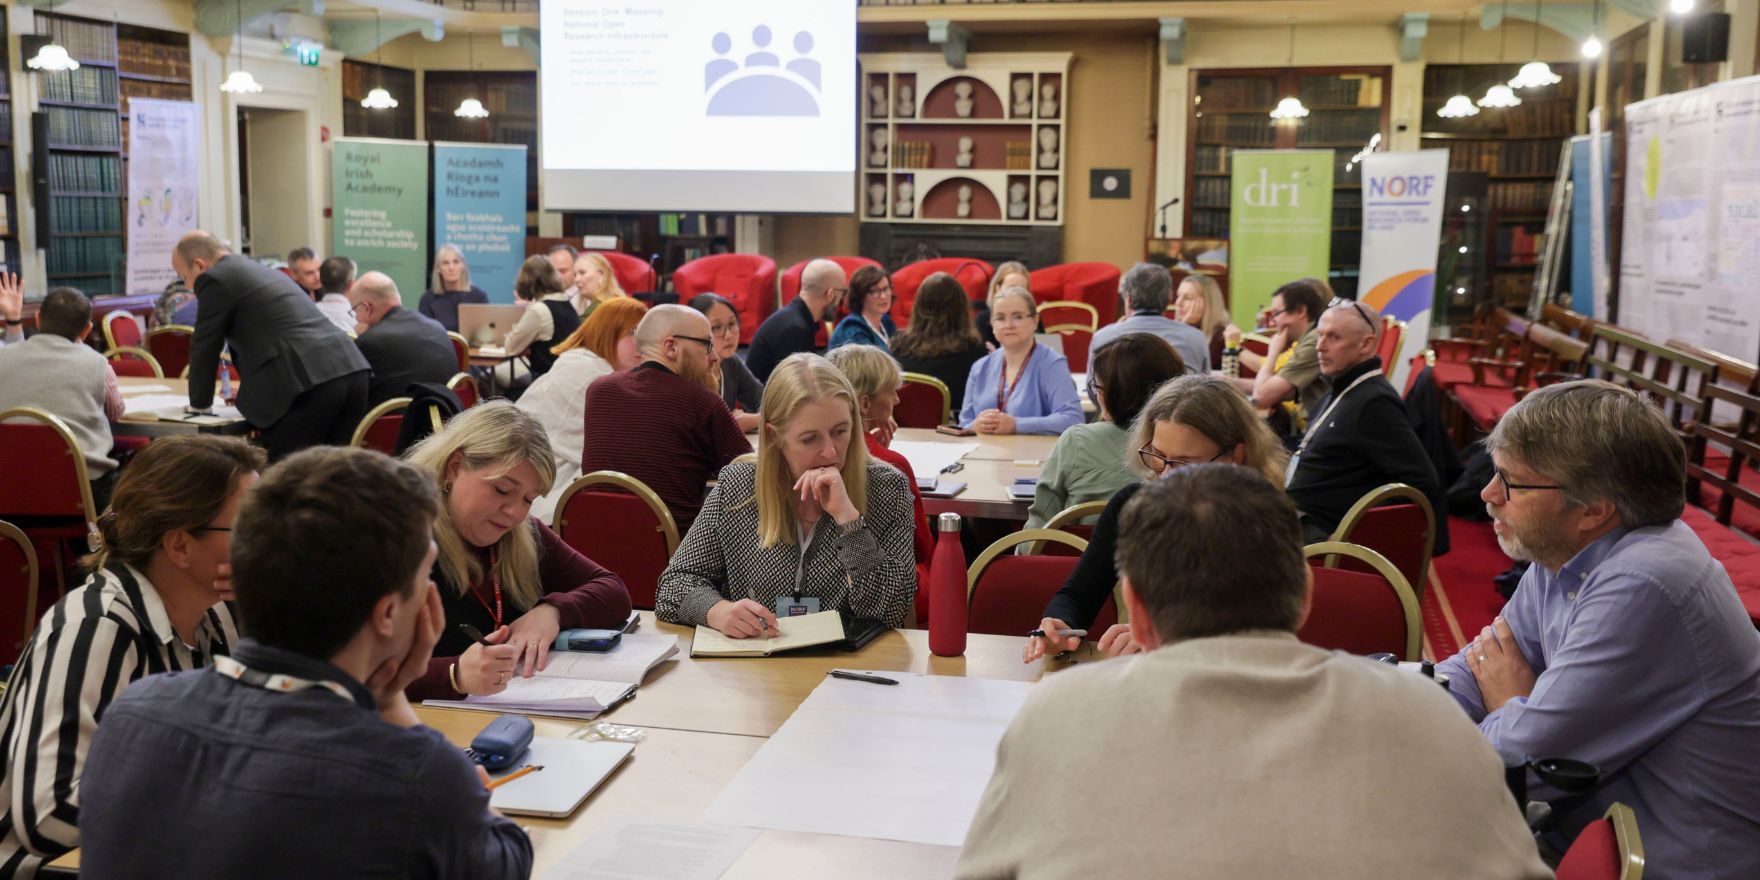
pixel 1043 401
pixel 855 330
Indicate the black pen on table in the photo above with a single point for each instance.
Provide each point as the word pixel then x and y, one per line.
pixel 857 676
pixel 1062 633
pixel 954 468
pixel 475 635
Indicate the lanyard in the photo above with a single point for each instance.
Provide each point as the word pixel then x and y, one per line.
pixel 879 329
pixel 284 684
pixel 1004 392
pixel 495 581
pixel 805 537
pixel 1336 398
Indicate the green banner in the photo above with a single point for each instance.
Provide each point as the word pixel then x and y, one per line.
pixel 1280 224
pixel 379 202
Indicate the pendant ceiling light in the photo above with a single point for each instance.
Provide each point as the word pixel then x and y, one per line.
pixel 51 56
pixel 471 108
pixel 1460 105
pixel 378 98
pixel 1291 106
pixel 240 82
pixel 1535 74
pixel 1500 95
pixel 1592 46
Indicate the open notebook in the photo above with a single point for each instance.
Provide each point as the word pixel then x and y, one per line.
pixel 577 684
pixel 803 631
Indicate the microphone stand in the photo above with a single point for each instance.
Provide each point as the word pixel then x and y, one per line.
pixel 1163 211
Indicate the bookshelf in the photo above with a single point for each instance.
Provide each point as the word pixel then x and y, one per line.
pixel 359 78
pixel 1517 149
pixel 676 238
pixel 512 101
pixel 8 184
pixel 1231 110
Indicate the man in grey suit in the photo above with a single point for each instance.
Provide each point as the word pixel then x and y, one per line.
pixel 402 346
pixel 302 381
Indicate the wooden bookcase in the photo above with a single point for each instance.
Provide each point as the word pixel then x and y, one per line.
pixel 925 110
pixel 8 185
pixel 1231 109
pixel 359 78
pixel 511 98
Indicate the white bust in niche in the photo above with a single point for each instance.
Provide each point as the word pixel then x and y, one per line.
pixel 876 199
pixel 1048 100
pixel 962 99
pixel 1047 147
pixel 1047 199
pixel 965 201
pixel 877 100
pixel 907 100
pixel 907 200
pixel 1023 97
pixel 877 148
pixel 1017 201
pixel 964 158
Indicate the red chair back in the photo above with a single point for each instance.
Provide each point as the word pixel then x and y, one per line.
pixel 1093 283
pixel 1012 591
pixel 1256 345
pixel 1076 341
pixel 133 362
pixel 1594 855
pixel 920 406
pixel 18 591
pixel 1052 548
pixel 465 386
pixel 121 330
pixel 1360 612
pixel 620 531
pixel 747 280
pixel 633 274
pixel 1399 532
pixel 1389 346
pixel 461 348
pixel 973 275
pixel 381 436
pixel 170 347
pixel 55 484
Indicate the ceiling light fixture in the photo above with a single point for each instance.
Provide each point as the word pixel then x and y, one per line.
pixel 378 98
pixel 240 82
pixel 1291 106
pixel 1592 46
pixel 1460 105
pixel 51 56
pixel 471 108
pixel 1499 95
pixel 1535 74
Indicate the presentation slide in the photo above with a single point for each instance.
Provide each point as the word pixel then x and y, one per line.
pixel 699 105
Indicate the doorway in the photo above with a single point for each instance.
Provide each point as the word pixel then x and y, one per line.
pixel 273 182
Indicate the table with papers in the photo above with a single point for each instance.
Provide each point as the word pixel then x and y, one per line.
pixel 989 464
pixel 154 408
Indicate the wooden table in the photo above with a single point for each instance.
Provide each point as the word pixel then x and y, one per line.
pixel 490 362
pixel 988 471
pixel 145 424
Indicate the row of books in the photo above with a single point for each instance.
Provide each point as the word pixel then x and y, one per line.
pixel 1528 196
pixel 696 224
pixel 1347 246
pixel 87 85
pixel 85 214
pixel 1210 159
pixel 913 154
pixel 71 126
pixel 153 58
pixel 1512 287
pixel 1211 192
pixel 85 40
pixel 1225 92
pixel 79 256
pixel 1530 119
pixel 1505 157
pixel 1338 127
pixel 1348 90
pixel 1238 129
pixel 1209 223
pixel 78 172
pixel 134 88
pixel 1519 246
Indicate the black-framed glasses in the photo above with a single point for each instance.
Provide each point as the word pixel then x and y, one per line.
pixel 1093 388
pixel 1161 464
pixel 1358 308
pixel 211 529
pixel 837 292
pixel 1272 313
pixel 707 343
pixel 723 329
pixel 1508 487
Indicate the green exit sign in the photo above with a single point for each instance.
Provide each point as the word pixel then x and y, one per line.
pixel 309 53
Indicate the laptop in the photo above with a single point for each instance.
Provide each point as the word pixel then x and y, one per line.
pixel 572 769
pixel 482 325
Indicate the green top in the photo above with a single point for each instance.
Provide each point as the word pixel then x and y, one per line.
pixel 1087 464
pixel 1303 372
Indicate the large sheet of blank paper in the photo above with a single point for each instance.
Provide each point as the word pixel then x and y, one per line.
pixel 864 760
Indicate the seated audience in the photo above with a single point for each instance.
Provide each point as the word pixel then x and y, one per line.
pixel 152 603
pixel 740 389
pixel 941 341
pixel 1146 289
pixel 1199 302
pixel 11 309
pixel 57 372
pixel 1624 645
pixel 335 277
pixel 1295 310
pixel 813 523
pixel 303 268
pixel 594 283
pixel 302 381
pixel 402 347
pixel 1358 439
pixel 795 327
pixel 298 755
pixel 500 569
pixel 449 288
pixel 1022 387
pixel 1356 769
pixel 869 321
pixel 548 315
pixel 662 422
pixel 1010 274
pixel 562 258
pixel 874 376
pixel 604 344
pixel 1090 461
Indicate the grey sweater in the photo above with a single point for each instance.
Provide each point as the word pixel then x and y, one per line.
pixel 65 379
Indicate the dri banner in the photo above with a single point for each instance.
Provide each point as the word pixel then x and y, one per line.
pixel 1402 226
pixel 480 206
pixel 379 217
pixel 162 183
pixel 1280 224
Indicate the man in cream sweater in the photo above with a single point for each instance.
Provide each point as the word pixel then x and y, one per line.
pixel 1230 749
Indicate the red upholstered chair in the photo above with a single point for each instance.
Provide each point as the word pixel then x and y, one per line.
pixel 923 402
pixel 127 360
pixel 1360 611
pixel 1077 339
pixel 465 386
pixel 379 427
pixel 791 277
pixel 1006 594
pixel 973 275
pixel 633 273
pixel 1607 849
pixel 1392 331
pixel 1064 311
pixel 617 521
pixel 170 345
pixel 1396 521
pixel 1093 283
pixel 747 280
pixel 18 591
pixel 462 348
pixel 51 500
pixel 1076 519
pixel 1257 343
pixel 121 330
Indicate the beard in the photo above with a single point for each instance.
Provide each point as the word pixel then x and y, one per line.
pixel 700 372
pixel 1540 543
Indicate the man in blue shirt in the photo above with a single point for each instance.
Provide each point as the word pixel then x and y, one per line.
pixel 1147 288
pixel 298 756
pixel 1625 645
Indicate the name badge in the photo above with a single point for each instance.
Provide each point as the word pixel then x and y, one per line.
pixel 789 606
pixel 1289 472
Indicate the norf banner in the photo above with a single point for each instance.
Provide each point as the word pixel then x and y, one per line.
pixel 1402 226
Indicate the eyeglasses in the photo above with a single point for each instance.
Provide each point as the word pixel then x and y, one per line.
pixel 211 529
pixel 707 343
pixel 1508 487
pixel 1007 318
pixel 1356 307
pixel 1161 464
pixel 1271 313
pixel 724 329
pixel 1093 389
pixel 837 292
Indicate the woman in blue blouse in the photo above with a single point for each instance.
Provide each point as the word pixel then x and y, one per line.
pixel 1022 387
pixel 868 321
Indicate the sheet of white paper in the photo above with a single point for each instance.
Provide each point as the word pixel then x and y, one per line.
pixel 146 388
pixel 628 848
pixel 629 661
pixel 929 458
pixel 898 763
pixel 138 403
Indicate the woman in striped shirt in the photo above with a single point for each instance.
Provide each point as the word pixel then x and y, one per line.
pixel 152 604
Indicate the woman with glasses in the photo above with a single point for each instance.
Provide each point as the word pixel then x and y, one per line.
pixel 869 321
pixel 742 390
pixel 1190 420
pixel 154 602
pixel 1022 387
pixel 1089 462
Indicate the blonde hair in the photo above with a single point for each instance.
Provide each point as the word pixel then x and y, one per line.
pixel 498 436
pixel 1012 267
pixel 799 380
pixel 868 369
pixel 602 329
pixel 608 287
pixel 1212 406
pixel 1016 290
pixel 464 274
pixel 1215 308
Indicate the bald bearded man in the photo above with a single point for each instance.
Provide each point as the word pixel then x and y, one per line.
pixel 795 326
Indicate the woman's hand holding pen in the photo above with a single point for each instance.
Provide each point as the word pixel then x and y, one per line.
pixel 744 619
pixel 1039 646
pixel 486 670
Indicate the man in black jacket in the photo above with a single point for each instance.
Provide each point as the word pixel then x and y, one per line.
pixel 302 381
pixel 794 327
pixel 1358 437
pixel 402 347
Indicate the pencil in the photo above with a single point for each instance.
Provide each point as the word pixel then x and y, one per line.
pixel 529 768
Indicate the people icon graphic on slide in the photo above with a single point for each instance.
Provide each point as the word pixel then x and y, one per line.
pixel 762 86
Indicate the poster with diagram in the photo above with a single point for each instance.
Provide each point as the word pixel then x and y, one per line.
pixel 1691 248
pixel 162 149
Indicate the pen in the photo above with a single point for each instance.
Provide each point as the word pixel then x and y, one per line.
pixel 857 676
pixel 1062 633
pixel 529 768
pixel 954 468
pixel 474 634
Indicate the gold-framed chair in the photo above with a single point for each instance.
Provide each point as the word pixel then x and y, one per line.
pixel 1384 520
pixel 1012 599
pixel 462 348
pixel 617 526
pixel 13 541
pixel 56 503
pixel 170 344
pixel 1091 314
pixel 465 386
pixel 122 337
pixel 1069 520
pixel 378 429
pixel 1607 847
pixel 118 355
pixel 1353 608
pixel 923 402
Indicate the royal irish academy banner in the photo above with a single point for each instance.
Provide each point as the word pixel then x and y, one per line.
pixel 1402 226
pixel 480 206
pixel 162 183
pixel 379 216
pixel 1280 224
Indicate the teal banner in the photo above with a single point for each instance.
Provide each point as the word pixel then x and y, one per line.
pixel 379 209
pixel 480 207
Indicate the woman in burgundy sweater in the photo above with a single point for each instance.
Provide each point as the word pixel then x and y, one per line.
pixel 499 569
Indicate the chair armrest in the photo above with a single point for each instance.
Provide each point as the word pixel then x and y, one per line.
pixel 1512 368
pixel 1454 349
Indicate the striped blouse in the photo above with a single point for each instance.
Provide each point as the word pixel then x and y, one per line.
pixel 101 637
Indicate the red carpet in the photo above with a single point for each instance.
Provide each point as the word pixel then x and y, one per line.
pixel 1462 600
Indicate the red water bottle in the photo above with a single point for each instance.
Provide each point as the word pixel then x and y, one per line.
pixel 947 591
